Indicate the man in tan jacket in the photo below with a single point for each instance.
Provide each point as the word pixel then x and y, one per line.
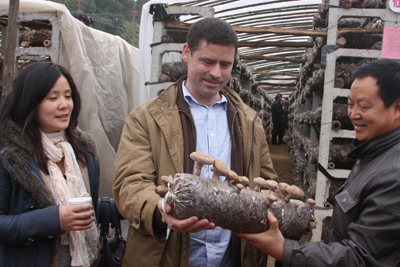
pixel 198 113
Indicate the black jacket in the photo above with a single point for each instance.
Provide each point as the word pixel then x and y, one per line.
pixel 29 218
pixel 277 112
pixel 365 226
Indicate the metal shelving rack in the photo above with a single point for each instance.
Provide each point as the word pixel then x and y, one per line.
pixel 331 93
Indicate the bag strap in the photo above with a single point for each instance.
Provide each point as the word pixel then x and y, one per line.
pixel 104 211
pixel 115 217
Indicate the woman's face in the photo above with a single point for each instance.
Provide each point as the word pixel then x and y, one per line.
pixel 54 112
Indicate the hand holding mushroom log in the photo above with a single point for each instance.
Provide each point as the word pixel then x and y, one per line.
pixel 242 210
pixel 270 242
pixel 188 225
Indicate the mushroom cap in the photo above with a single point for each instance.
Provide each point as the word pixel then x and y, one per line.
pixel 165 179
pixel 272 197
pixel 239 186
pixel 233 175
pixel 261 182
pixel 272 184
pixel 310 202
pixel 161 190
pixel 295 191
pixel 202 158
pixel 243 180
pixel 220 167
pixel 282 186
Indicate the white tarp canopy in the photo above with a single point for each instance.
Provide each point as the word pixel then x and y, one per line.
pixel 105 69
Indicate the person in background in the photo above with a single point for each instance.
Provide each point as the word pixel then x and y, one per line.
pixel 277 121
pixel 365 226
pixel 198 113
pixel 45 161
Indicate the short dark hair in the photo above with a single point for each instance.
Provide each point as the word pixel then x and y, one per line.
pixel 278 96
pixel 387 73
pixel 31 86
pixel 213 31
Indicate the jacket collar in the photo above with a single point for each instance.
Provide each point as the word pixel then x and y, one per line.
pixel 17 159
pixel 376 146
pixel 234 100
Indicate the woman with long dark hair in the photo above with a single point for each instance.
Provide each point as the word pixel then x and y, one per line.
pixel 45 162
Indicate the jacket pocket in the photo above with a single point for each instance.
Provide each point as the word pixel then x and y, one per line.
pixel 346 200
pixel 344 213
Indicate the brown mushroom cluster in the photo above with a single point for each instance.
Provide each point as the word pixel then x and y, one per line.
pixel 231 204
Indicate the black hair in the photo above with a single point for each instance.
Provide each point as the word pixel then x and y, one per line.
pixel 213 31
pixel 31 86
pixel 387 73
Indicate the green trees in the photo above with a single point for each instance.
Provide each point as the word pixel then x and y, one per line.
pixel 112 16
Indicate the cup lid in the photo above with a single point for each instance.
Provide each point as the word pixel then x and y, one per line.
pixel 80 200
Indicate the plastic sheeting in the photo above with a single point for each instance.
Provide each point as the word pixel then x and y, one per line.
pixel 145 39
pixel 105 69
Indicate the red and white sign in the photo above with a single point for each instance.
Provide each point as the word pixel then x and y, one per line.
pixel 394 5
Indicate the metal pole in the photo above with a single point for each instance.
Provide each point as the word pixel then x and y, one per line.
pixel 11 43
pixel 79 5
pixel 133 28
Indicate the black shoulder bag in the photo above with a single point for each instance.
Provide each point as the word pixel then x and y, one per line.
pixel 112 249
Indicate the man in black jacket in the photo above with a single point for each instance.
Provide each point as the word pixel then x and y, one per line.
pixel 365 225
pixel 277 120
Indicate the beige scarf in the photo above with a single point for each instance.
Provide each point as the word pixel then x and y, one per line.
pixel 83 244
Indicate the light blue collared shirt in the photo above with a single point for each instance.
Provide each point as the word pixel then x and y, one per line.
pixel 210 247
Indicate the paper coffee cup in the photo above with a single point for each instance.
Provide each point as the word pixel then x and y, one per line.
pixel 79 201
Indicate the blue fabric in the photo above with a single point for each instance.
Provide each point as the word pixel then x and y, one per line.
pixel 210 247
pixel 27 230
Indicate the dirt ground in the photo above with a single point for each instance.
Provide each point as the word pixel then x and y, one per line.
pixel 281 160
pixel 283 166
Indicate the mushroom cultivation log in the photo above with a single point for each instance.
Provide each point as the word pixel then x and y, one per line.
pixel 238 208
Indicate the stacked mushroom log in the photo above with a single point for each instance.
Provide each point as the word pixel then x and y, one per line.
pixel 307 109
pixel 33 38
pixel 242 81
pixel 231 205
pixel 306 102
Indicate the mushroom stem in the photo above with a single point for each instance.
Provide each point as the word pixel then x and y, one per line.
pixel 260 184
pixel 219 167
pixel 198 168
pixel 200 159
pixel 215 176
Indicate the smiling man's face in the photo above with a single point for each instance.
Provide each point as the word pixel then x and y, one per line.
pixel 209 69
pixel 367 111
